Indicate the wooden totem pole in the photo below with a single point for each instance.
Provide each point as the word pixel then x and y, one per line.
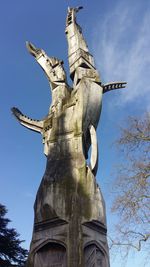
pixel 69 211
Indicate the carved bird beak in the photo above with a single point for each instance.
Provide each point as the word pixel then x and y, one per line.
pixel 33 50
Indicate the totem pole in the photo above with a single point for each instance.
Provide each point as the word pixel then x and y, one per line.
pixel 69 211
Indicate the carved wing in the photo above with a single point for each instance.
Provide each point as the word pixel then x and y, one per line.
pixel 35 125
pixel 112 86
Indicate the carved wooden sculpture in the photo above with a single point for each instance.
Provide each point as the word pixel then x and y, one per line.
pixel 70 221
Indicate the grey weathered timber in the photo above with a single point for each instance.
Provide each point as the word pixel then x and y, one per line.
pixel 69 212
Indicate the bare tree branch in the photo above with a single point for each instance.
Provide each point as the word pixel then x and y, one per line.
pixel 137 246
pixel 132 186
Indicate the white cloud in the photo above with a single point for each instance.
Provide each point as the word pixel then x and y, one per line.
pixel 122 50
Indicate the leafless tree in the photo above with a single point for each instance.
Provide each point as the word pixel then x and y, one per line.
pixel 132 186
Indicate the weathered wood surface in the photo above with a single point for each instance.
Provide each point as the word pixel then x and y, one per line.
pixel 69 207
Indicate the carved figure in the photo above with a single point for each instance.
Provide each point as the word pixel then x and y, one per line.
pixel 70 222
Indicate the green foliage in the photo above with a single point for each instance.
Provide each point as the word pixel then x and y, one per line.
pixel 11 253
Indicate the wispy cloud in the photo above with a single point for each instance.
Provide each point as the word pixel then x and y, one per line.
pixel 122 50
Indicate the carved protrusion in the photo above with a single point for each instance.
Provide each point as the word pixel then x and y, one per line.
pixel 52 66
pixel 112 86
pixel 54 70
pixel 35 125
pixel 33 50
pixel 71 14
pixel 78 54
pixel 94 150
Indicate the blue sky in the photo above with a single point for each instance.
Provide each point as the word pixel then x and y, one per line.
pixel 118 35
